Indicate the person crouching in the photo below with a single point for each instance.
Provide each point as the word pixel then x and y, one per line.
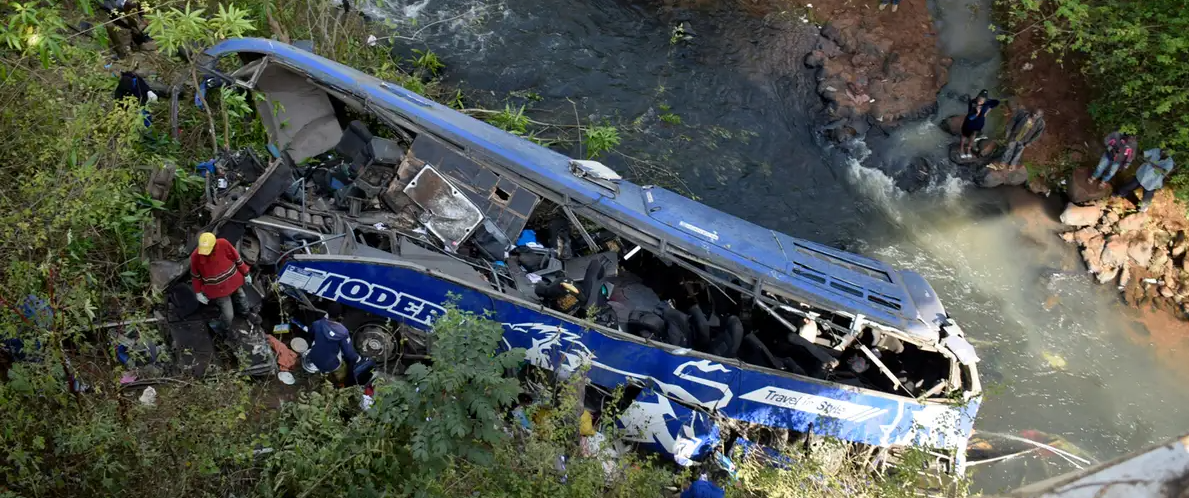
pixel 332 344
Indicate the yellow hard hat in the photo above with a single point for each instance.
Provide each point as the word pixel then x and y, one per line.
pixel 206 243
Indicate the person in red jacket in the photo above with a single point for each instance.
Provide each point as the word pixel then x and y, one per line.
pixel 218 273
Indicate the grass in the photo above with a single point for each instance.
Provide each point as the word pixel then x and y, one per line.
pixel 511 120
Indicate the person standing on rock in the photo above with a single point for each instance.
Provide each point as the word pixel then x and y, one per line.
pixel 1120 151
pixel 976 118
pixel 1157 165
pixel 883 4
pixel 1025 128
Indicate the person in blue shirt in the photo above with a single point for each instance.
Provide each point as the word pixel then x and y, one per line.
pixel 1150 176
pixel 976 119
pixel 703 488
pixel 332 344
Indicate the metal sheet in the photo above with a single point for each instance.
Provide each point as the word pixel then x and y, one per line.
pixel 502 200
pixel 452 217
pixel 734 390
pixel 297 114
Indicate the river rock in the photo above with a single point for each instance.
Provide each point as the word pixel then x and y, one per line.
pixel 1039 186
pixel 1108 275
pixel 986 148
pixel 994 178
pixel 1133 222
pixel 1141 251
pixel 1166 292
pixel 1080 190
pixel 1111 217
pixel 827 47
pixel 953 124
pixel 1083 236
pixel 1092 254
pixel 1080 216
pixel 815 59
pixel 1180 244
pixel 1160 261
pixel 1125 276
pixel 1114 253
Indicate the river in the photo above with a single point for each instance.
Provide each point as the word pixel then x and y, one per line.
pixel 1059 353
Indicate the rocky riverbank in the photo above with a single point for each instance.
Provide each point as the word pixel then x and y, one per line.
pixel 1146 255
pixel 876 67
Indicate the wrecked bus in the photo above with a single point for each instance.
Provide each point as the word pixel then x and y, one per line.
pixel 713 321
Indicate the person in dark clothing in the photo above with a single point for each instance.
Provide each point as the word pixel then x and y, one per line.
pixel 126 15
pixel 332 344
pixel 1025 128
pixel 976 118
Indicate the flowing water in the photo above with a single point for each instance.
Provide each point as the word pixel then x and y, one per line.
pixel 1059 353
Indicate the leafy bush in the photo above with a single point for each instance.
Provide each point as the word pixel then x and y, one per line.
pixel 600 139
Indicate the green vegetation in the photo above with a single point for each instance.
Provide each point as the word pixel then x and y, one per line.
pixel 510 120
pixel 600 139
pixel 427 61
pixel 1132 52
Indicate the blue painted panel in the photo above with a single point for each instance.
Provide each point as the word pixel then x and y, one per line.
pixel 749 394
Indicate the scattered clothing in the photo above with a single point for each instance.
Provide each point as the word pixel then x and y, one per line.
pixel 286 358
pixel 332 343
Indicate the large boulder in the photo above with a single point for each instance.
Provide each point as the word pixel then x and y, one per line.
pixel 996 177
pixel 1133 222
pixel 1080 216
pixel 1080 190
pixel 1114 253
pixel 1083 236
pixel 1141 251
